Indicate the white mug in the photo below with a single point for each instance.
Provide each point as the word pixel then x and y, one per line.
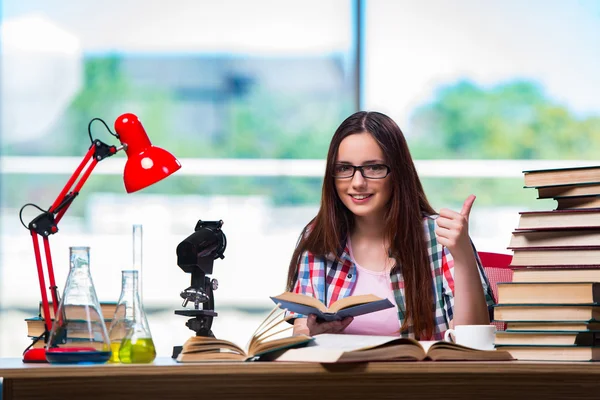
pixel 481 337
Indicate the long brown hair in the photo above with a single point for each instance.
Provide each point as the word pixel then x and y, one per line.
pixel 326 233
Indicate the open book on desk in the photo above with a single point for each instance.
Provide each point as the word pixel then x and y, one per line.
pixel 261 344
pixel 341 348
pixel 347 307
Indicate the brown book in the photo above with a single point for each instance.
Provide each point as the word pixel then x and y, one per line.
pixel 263 343
pixel 555 239
pixel 562 176
pixel 578 202
pixel 547 257
pixel 98 345
pixel 342 348
pixel 562 326
pixel 556 338
pixel 80 312
pixel 350 306
pixel 559 219
pixel 36 327
pixel 578 189
pixel 552 353
pixel 546 312
pixel 549 293
pixel 556 275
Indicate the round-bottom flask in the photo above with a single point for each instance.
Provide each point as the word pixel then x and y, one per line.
pixel 130 337
pixel 78 332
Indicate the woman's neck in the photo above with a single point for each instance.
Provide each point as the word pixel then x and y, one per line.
pixel 368 228
pixel 369 246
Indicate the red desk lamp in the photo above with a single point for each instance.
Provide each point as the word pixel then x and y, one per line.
pixel 146 165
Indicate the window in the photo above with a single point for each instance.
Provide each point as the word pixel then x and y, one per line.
pixel 483 91
pixel 229 87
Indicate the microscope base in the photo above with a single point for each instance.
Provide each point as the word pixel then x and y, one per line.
pixel 201 324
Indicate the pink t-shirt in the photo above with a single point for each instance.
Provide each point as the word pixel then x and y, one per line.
pixel 384 322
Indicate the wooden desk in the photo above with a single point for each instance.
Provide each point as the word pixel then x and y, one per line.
pixel 408 380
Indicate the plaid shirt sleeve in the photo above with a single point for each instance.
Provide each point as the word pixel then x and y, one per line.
pixel 448 282
pixel 303 283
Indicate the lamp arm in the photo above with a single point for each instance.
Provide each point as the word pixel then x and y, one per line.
pixel 97 152
pixel 46 223
pixel 137 175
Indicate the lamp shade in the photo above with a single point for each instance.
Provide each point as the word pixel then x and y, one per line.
pixel 146 164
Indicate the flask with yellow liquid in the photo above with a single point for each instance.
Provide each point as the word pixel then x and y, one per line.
pixel 130 338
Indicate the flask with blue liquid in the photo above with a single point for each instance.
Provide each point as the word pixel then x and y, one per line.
pixel 79 333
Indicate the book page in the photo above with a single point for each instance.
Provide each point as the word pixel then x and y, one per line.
pixel 331 348
pixel 268 336
pixel 278 344
pixel 353 301
pixel 426 344
pixel 350 342
pixel 198 343
pixel 301 299
pixel 311 354
pixel 361 309
pixel 209 357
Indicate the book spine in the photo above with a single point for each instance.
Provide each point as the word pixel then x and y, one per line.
pixel 555 267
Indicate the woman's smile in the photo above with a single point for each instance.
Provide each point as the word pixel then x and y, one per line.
pixel 361 198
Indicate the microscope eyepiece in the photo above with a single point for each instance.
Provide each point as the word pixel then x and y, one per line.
pixel 207 243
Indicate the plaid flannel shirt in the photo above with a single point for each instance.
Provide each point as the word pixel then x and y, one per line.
pixel 341 274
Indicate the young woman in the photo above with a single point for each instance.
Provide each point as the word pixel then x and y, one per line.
pixel 375 233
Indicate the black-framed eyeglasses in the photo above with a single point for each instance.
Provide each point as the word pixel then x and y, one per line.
pixel 370 171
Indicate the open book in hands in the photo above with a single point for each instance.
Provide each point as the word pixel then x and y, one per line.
pixel 347 307
pixel 262 343
pixel 340 348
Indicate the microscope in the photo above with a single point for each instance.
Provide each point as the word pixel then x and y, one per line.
pixel 196 255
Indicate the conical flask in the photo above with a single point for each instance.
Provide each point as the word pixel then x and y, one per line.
pixel 78 333
pixel 130 337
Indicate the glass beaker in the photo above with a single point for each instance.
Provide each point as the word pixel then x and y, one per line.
pixel 130 337
pixel 79 333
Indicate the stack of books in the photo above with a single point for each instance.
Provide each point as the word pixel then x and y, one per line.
pixel 36 325
pixel 552 306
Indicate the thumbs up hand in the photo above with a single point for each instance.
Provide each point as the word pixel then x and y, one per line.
pixel 453 230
